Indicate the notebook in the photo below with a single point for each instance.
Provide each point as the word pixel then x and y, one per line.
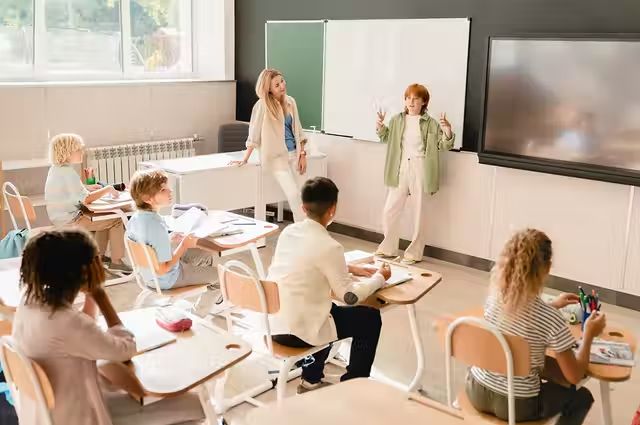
pixel 199 224
pixel 611 353
pixel 358 257
pixel 149 335
pixel 399 274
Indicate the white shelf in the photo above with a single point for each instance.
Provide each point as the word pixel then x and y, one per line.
pixel 23 164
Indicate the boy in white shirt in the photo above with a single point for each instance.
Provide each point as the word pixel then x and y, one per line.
pixel 308 266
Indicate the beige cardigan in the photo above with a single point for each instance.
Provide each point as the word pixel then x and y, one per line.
pixel 266 133
pixel 67 344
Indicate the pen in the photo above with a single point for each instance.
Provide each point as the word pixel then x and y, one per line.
pixel 246 223
pixel 583 301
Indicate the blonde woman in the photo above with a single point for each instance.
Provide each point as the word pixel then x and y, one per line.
pixel 515 307
pixel 65 197
pixel 275 130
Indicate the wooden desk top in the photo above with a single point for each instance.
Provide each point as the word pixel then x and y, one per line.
pixel 603 372
pixel 410 292
pixel 610 373
pixel 357 401
pixel 105 205
pixel 198 355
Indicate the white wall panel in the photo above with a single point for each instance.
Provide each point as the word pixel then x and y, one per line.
pixel 585 219
pixel 23 132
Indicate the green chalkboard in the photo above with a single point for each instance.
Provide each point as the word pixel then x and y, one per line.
pixel 297 50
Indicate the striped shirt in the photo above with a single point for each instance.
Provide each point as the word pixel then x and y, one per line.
pixel 542 326
pixel 63 194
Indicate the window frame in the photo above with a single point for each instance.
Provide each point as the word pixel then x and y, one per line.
pixel 211 34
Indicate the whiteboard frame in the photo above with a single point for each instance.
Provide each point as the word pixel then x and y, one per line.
pixel 324 57
pixel 327 21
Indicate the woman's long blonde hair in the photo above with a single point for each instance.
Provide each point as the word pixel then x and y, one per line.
pixel 522 268
pixel 277 107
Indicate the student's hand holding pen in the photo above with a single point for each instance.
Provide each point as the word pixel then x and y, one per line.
pixel 385 271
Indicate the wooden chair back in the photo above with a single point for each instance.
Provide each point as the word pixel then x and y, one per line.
pixel 20 207
pixel 241 290
pixel 476 346
pixel 143 255
pixel 26 375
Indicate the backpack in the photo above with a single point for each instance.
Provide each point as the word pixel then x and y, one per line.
pixel 13 244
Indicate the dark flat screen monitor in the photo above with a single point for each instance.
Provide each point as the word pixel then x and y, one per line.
pixel 564 104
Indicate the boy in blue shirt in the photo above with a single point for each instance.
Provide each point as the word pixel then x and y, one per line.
pixel 150 191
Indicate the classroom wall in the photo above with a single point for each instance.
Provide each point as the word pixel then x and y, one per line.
pixel 488 17
pixel 109 114
pixel 593 225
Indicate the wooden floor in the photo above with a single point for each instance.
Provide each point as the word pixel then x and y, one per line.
pixel 462 288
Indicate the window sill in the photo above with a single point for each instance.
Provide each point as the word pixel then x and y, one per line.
pixel 103 83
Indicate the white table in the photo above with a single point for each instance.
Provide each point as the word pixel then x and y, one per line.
pixel 211 181
pixel 9 286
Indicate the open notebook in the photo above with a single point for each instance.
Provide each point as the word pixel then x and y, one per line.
pixel 149 335
pixel 399 274
pixel 199 224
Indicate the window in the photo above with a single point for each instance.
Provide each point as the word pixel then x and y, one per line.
pixel 16 36
pixel 84 40
pixel 83 36
pixel 160 36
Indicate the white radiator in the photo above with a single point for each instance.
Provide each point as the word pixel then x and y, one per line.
pixel 116 164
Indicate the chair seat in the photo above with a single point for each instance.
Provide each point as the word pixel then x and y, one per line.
pixel 282 351
pixel 470 413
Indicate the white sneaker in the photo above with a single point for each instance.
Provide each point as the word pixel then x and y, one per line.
pixel 409 261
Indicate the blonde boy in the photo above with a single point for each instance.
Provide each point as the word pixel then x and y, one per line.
pixel 65 196
pixel 150 191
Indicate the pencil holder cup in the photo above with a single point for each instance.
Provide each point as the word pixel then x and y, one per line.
pixel 585 316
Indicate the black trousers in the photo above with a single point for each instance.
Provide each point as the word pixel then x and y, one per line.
pixel 572 404
pixel 361 323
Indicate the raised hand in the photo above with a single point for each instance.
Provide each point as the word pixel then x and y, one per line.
pixel 445 125
pixel 381 115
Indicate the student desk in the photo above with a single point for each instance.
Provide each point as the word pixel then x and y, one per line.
pixel 356 401
pixel 605 374
pixel 408 294
pixel 232 244
pixel 211 181
pixel 198 355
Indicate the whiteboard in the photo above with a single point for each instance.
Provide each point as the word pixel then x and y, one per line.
pixel 371 62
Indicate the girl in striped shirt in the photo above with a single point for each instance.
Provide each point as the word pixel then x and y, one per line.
pixel 514 306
